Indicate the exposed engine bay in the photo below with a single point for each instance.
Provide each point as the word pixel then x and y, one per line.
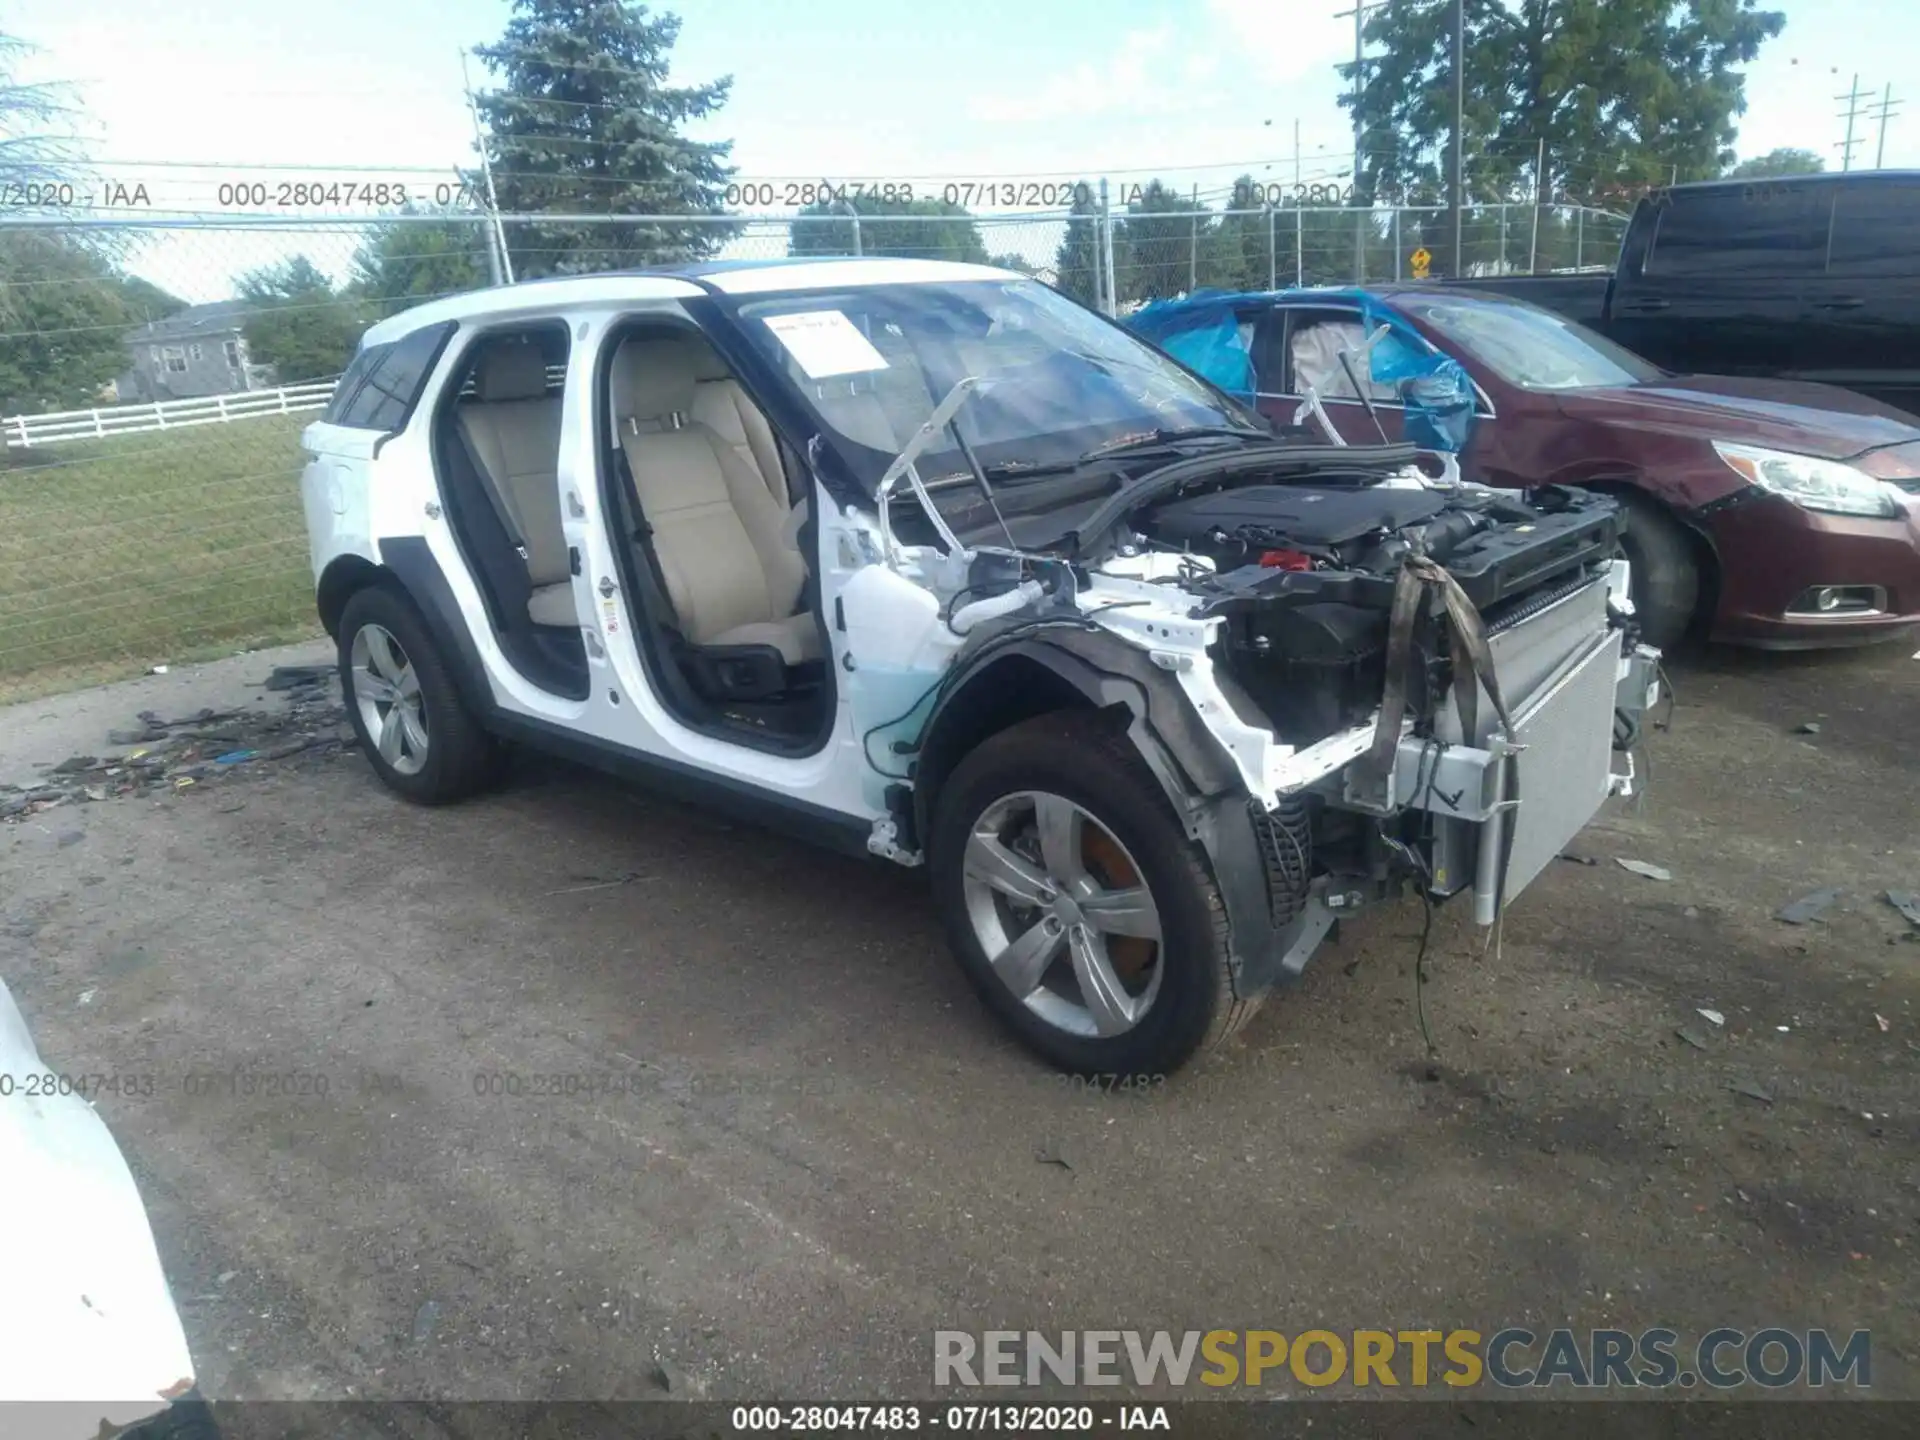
pixel 1415 679
pixel 1304 577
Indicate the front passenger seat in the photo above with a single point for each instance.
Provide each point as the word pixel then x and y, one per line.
pixel 719 535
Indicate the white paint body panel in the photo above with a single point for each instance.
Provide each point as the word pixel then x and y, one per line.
pixel 1136 598
pixel 85 1313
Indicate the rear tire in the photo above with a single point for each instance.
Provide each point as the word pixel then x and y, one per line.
pixel 1139 980
pixel 1666 571
pixel 417 732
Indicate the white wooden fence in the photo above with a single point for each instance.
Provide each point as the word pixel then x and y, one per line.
pixel 27 431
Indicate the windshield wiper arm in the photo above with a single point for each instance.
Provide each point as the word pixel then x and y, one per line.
pixel 1166 436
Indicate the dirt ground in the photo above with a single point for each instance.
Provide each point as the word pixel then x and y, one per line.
pixel 807 1148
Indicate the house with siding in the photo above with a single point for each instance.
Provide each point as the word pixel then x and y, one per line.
pixel 201 350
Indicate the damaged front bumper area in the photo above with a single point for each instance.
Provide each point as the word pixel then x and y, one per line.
pixel 1455 810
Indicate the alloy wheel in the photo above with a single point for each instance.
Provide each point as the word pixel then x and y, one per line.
pixel 1063 914
pixel 387 691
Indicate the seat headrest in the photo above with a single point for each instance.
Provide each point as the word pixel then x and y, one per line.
pixel 653 378
pixel 511 372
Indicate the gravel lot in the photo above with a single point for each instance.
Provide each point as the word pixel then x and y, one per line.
pixel 812 1148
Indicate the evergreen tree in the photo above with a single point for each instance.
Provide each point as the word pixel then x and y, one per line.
pixel 586 123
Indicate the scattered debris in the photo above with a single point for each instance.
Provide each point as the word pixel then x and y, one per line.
pixel 158 670
pixel 1784 1030
pixel 1807 727
pixel 425 1320
pixel 1712 1017
pixel 1882 1021
pixel 1581 859
pixel 1692 912
pixel 1809 908
pixel 1751 1091
pixel 1641 867
pixel 290 677
pixel 1692 1039
pixel 1907 902
pixel 176 754
pixel 1050 1155
pixel 86 996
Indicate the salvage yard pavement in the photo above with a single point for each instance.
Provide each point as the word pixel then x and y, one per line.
pixel 569 1089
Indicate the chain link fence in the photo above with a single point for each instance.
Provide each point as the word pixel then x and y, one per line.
pixel 149 485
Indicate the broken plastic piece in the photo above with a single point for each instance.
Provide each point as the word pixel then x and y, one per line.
pixel 1809 908
pixel 1641 867
pixel 1907 902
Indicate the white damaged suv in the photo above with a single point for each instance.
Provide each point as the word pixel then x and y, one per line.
pixel 928 561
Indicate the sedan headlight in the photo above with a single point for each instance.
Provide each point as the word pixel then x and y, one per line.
pixel 1813 484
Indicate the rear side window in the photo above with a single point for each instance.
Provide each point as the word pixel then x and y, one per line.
pixel 381 386
pixel 1874 224
pixel 1761 229
pixel 350 383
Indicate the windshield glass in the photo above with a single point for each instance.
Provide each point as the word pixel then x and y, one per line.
pixel 1527 346
pixel 872 363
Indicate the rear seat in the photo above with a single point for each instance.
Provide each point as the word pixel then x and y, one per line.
pixel 512 428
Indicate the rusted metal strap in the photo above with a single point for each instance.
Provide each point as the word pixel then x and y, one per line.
pixel 1466 643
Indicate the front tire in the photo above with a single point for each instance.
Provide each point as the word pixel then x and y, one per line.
pixel 1666 571
pixel 1078 908
pixel 417 732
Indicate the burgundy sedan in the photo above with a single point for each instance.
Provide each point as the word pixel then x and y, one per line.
pixel 1764 512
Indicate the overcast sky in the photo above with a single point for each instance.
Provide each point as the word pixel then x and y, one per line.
pixel 1194 91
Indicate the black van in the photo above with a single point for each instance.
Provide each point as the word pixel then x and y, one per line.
pixel 1809 277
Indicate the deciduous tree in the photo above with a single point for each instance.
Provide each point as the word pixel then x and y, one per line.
pixel 1621 92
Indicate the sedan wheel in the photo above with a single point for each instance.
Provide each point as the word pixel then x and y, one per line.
pixel 1063 914
pixel 387 693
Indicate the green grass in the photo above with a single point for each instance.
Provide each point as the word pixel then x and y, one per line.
pixel 120 554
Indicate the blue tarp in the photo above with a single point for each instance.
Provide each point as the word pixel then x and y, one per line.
pixel 1210 345
pixel 1202 331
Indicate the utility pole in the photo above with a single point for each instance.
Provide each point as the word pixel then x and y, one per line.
pixel 1881 112
pixel 500 265
pixel 1853 97
pixel 1457 200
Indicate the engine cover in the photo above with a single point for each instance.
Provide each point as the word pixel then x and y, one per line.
pixel 1291 515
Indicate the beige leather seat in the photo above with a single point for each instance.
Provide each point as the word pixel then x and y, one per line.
pixel 721 532
pixel 513 429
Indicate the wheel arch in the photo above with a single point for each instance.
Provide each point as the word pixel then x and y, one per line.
pixel 1015 677
pixel 1705 553
pixel 410 570
pixel 1096 671
pixel 344 575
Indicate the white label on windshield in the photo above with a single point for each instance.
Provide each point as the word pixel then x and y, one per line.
pixel 826 343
